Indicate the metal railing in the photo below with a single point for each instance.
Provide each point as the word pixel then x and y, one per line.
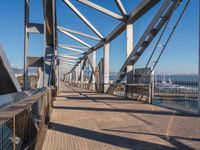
pixel 177 91
pixel 23 123
pixel 143 92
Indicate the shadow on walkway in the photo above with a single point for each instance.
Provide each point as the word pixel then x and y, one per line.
pixel 169 138
pixel 126 111
pixel 119 141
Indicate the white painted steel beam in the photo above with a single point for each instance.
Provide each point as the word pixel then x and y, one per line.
pixel 75 38
pixel 76 46
pixel 70 61
pixel 71 49
pixel 94 57
pixel 67 63
pixel 63 62
pixel 158 15
pixel 101 9
pixel 129 68
pixel 106 65
pixel 121 7
pixel 199 67
pixel 35 28
pixel 140 10
pixel 79 33
pixel 65 67
pixel 83 18
pixel 129 44
pixel 26 39
pixel 68 56
pixel 94 67
pixel 64 59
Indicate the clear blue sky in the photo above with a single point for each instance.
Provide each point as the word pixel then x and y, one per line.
pixel 181 55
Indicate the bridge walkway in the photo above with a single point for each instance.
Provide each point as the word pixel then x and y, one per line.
pixel 86 120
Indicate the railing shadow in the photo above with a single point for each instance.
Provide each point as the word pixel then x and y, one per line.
pixel 115 140
pixel 174 140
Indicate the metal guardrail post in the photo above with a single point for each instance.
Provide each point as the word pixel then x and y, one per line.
pixel 14 131
pixel 199 67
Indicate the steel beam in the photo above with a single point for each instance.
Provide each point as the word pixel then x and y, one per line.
pixel 75 38
pixel 8 81
pixel 156 18
pixel 35 61
pixel 76 46
pixel 94 67
pixel 129 48
pixel 141 9
pixel 129 44
pixel 199 66
pixel 79 33
pixel 50 34
pixel 35 28
pixel 106 66
pixel 121 7
pixel 26 38
pixel 101 9
pixel 78 13
pixel 65 67
pixel 66 64
pixel 70 61
pixel 66 60
pixel 68 56
pixel 71 49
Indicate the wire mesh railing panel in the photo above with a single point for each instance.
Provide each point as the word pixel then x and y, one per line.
pixel 180 90
pixel 22 129
pixel 6 135
pixel 21 122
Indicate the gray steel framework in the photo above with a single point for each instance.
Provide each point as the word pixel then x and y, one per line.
pixel 78 59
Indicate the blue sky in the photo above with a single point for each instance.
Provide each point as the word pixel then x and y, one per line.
pixel 180 56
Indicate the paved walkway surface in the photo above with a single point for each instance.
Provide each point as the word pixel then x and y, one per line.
pixel 85 120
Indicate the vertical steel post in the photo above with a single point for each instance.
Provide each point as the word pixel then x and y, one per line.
pixel 14 134
pixel 199 66
pixel 106 66
pixel 57 65
pixel 129 48
pixel 94 67
pixel 82 72
pixel 26 37
pixel 70 78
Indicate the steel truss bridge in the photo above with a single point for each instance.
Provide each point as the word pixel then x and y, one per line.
pixel 74 110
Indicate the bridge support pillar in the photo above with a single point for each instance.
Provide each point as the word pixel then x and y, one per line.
pixel 70 78
pixel 94 67
pixel 77 73
pixel 129 48
pixel 199 67
pixel 26 41
pixel 82 78
pixel 106 67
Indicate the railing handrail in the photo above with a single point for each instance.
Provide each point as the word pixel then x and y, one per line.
pixel 26 102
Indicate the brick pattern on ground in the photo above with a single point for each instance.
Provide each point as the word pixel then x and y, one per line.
pixel 85 120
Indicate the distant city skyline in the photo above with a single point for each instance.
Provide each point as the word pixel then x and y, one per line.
pixel 180 57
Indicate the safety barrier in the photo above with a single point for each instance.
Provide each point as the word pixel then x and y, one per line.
pixel 23 122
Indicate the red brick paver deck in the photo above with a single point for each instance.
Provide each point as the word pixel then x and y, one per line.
pixel 85 120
